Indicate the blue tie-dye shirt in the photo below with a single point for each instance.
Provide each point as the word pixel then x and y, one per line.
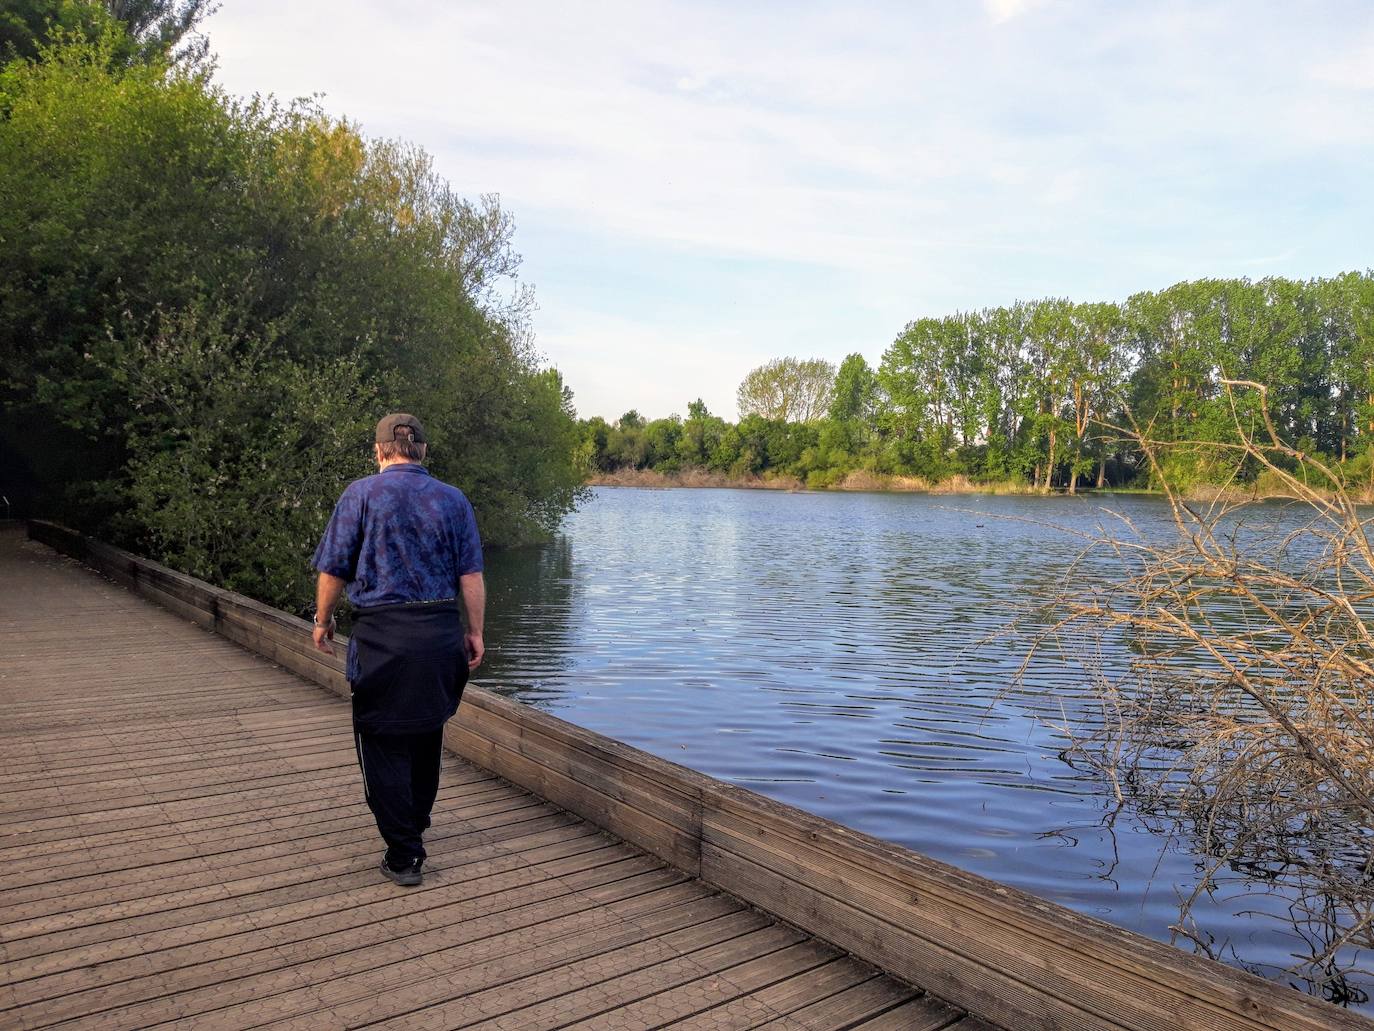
pixel 400 536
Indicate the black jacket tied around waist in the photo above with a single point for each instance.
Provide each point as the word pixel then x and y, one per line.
pixel 408 665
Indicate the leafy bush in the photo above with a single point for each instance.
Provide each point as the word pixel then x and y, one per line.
pixel 212 301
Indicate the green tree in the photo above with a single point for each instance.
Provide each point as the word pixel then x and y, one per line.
pixel 144 30
pixel 1004 384
pixel 1347 304
pixel 917 377
pixel 155 227
pixel 855 393
pixel 236 450
pixel 790 389
pixel 661 438
pixel 165 27
pixel 596 436
pixel 1092 362
pixel 28 25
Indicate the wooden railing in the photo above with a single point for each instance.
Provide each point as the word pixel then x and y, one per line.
pixel 998 952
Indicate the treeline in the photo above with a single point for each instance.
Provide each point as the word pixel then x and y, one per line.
pixel 1029 394
pixel 206 303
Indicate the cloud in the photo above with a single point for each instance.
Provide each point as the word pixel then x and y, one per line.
pixel 1005 10
pixel 883 160
pixel 657 366
pixel 1353 69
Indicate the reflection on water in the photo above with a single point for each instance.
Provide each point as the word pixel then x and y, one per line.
pixel 530 649
pixel 840 652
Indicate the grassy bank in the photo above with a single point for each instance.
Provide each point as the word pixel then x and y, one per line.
pixel 865 481
pixel 855 481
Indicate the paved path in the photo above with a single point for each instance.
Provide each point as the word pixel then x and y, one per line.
pixel 183 842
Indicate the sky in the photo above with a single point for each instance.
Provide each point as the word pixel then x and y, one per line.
pixel 701 187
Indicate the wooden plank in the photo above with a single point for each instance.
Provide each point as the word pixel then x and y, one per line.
pixel 102 743
pixel 477 953
pixel 315 666
pixel 116 851
pixel 846 1008
pixel 714 989
pixel 350 883
pixel 607 1000
pixel 98 921
pixel 95 869
pixel 645 830
pixel 540 1000
pixel 924 1013
pixel 490 887
pixel 187 877
pixel 566 860
pixel 971 1023
pixel 214 732
pixel 142 812
pixel 99 802
pixel 617 781
pixel 949 973
pixel 157 591
pixel 681 786
pixel 779 999
pixel 180 783
pixel 174 758
pixel 970 940
pixel 394 924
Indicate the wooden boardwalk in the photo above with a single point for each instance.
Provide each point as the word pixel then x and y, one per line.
pixel 183 842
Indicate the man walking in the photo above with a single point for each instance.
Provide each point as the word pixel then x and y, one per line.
pixel 405 546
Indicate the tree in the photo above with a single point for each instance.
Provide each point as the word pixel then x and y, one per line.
pixel 165 27
pixel 790 389
pixel 1097 379
pixel 1003 388
pixel 207 302
pixel 1032 391
pixel 700 442
pixel 855 393
pixel 916 376
pixel 147 30
pixel 264 437
pixel 849 424
pixel 28 25
pixel 1348 314
pixel 596 435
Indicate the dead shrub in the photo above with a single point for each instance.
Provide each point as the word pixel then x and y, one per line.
pixel 1245 715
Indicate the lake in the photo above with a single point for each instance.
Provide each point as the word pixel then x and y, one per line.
pixel 840 652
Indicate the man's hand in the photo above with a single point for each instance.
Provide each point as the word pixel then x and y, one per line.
pixel 327 591
pixel 475 650
pixel 472 589
pixel 324 637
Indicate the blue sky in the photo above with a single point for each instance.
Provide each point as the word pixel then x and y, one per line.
pixel 701 187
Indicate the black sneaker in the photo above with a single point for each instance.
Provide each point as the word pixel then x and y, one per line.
pixel 408 876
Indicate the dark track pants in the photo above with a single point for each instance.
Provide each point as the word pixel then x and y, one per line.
pixel 401 779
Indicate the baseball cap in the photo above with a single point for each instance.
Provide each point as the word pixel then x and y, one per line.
pixel 394 426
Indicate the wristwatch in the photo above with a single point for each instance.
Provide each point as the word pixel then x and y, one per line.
pixel 327 624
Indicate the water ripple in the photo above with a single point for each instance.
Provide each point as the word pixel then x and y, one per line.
pixel 841 652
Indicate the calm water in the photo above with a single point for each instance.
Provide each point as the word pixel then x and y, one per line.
pixel 832 651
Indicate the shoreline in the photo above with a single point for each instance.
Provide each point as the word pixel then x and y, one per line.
pixel 855 482
pixel 865 482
